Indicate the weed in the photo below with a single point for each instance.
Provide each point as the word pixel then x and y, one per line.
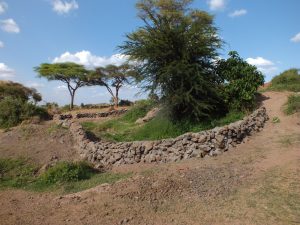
pixel 275 120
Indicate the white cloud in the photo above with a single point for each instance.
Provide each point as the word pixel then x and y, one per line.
pixel 3 7
pixel 61 87
pixel 64 7
pixel 264 65
pixel 1 44
pixel 238 13
pixel 90 61
pixel 296 38
pixel 6 72
pixel 34 85
pixel 216 4
pixel 9 26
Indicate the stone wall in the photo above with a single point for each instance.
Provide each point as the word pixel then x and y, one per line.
pixel 91 115
pixel 206 143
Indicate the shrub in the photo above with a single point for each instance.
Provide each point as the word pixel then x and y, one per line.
pixel 240 82
pixel 289 80
pixel 293 104
pixel 14 110
pixel 67 171
pixel 125 102
pixel 16 90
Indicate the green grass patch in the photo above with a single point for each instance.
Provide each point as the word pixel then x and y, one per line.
pixel 64 177
pixel 293 104
pixel 125 129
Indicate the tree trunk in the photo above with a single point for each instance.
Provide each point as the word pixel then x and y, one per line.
pixel 117 98
pixel 72 100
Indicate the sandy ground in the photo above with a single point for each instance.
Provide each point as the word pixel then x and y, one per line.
pixel 256 183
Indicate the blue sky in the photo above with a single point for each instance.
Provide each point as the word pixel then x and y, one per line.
pixel 266 33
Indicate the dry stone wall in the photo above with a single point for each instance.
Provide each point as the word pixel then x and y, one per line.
pixel 206 143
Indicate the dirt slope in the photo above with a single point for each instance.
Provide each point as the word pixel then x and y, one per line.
pixel 256 183
pixel 40 143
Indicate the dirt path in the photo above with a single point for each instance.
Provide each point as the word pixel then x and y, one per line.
pixel 256 183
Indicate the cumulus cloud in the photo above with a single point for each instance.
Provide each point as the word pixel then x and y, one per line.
pixel 217 4
pixel 64 7
pixel 1 44
pixel 9 26
pixel 6 72
pixel 89 60
pixel 296 38
pixel 264 65
pixel 3 7
pixel 238 13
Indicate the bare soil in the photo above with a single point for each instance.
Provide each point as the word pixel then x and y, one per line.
pixel 42 143
pixel 256 183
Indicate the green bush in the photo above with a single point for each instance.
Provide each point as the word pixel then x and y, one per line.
pixel 66 172
pixel 14 110
pixel 240 82
pixel 289 80
pixel 293 104
pixel 125 102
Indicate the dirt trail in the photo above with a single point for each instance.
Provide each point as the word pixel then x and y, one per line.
pixel 256 183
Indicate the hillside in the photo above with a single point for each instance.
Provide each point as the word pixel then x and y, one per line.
pixel 256 183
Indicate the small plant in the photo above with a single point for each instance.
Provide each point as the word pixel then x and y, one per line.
pixel 275 120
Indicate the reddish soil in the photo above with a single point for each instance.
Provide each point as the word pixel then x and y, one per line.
pixel 256 183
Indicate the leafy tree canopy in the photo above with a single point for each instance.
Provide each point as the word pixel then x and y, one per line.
pixel 175 49
pixel 72 74
pixel 241 81
pixel 113 77
pixel 16 90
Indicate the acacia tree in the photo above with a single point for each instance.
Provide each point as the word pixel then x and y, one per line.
pixel 113 78
pixel 72 74
pixel 176 49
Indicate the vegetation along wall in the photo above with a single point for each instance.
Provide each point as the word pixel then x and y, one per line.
pixel 211 142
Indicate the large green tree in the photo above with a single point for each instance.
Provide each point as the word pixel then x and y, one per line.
pixel 72 74
pixel 175 50
pixel 113 77
pixel 240 81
